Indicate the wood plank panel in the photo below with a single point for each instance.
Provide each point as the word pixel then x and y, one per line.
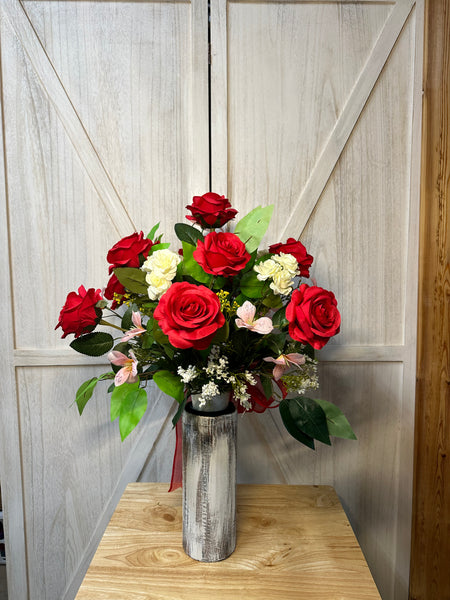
pixel 364 211
pixel 60 509
pixel 363 472
pixel 431 511
pixel 284 98
pixel 272 145
pixel 135 130
pixel 61 512
pixel 106 126
pixel 10 460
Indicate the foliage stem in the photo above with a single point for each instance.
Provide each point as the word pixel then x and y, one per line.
pixel 103 322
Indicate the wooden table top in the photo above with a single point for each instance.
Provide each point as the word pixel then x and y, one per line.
pixel 293 542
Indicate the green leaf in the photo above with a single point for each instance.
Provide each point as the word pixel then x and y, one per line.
pixel 159 246
pixel 251 286
pixel 189 234
pixel 291 426
pixel 118 396
pixel 279 318
pixel 241 299
pixel 132 279
pixel 152 231
pixel 310 418
pixel 85 392
pixel 147 340
pixel 191 266
pixel 308 351
pixel 219 283
pixel 221 334
pixel 111 388
pixel 126 319
pixel 93 344
pixel 132 410
pixel 273 301
pixel 122 347
pixel 158 335
pixel 179 412
pixel 276 342
pixel 249 266
pixel 109 375
pixel 170 384
pixel 252 227
pixel 338 425
pixel 266 383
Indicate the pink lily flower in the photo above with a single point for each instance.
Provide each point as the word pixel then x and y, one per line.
pixel 128 372
pixel 285 362
pixel 136 330
pixel 246 314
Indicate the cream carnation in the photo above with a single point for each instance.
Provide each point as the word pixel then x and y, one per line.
pixel 267 269
pixel 282 283
pixel 164 262
pixel 287 262
pixel 157 285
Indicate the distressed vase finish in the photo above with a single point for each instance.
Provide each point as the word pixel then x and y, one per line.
pixel 209 483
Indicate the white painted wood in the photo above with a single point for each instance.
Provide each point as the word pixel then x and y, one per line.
pixel 10 455
pixel 55 357
pixel 33 357
pixel 406 443
pixel 219 99
pixel 105 122
pixel 319 112
pixel 150 427
pixel 346 121
pixel 106 129
pixel 53 86
pixel 348 353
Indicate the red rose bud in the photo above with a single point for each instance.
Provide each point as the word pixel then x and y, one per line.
pixel 211 210
pixel 114 287
pixel 127 250
pixel 189 315
pixel 313 316
pixel 79 314
pixel 221 254
pixel 297 249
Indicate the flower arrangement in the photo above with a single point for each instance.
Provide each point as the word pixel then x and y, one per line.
pixel 218 315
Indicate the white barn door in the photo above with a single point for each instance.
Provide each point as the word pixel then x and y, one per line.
pixel 105 130
pixel 316 108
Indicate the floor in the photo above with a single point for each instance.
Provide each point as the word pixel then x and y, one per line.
pixel 3 592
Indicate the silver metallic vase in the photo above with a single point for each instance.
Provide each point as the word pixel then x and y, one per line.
pixel 209 483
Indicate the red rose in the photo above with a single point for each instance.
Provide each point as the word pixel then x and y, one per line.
pixel 190 315
pixel 211 210
pixel 127 250
pixel 79 314
pixel 221 254
pixel 313 316
pixel 114 287
pixel 297 249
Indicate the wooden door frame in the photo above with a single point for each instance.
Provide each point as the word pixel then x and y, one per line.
pixel 430 550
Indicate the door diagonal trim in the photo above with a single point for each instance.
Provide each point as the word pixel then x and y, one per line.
pixel 325 164
pixel 70 119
